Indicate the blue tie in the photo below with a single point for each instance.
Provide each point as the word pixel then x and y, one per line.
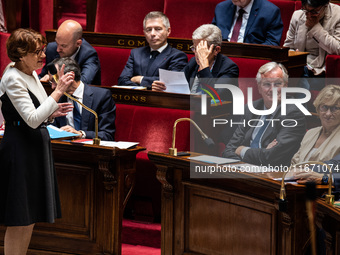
pixel 76 116
pixel 256 142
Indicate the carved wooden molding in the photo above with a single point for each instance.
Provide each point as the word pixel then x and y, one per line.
pixel 109 178
pixel 129 181
pixel 164 176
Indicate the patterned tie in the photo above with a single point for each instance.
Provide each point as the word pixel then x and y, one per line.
pixel 154 55
pixel 257 140
pixel 76 116
pixel 237 27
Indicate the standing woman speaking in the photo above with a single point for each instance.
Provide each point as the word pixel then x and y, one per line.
pixel 28 186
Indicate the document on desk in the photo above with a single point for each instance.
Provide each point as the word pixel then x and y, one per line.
pixel 214 159
pixel 175 82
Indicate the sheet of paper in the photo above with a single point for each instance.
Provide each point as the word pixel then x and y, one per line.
pixel 175 82
pixel 214 160
pixel 120 145
pixel 129 87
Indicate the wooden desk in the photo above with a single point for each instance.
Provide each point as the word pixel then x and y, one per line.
pixel 94 185
pixel 233 215
pixel 328 218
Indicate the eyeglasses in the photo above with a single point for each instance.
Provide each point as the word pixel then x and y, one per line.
pixel 39 52
pixel 276 84
pixel 192 47
pixel 325 108
pixel 313 11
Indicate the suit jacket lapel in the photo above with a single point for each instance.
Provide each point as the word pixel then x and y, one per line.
pixel 259 106
pixel 145 57
pixel 217 66
pixel 87 100
pixel 270 127
pixel 252 16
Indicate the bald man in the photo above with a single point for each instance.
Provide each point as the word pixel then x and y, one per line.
pixel 69 43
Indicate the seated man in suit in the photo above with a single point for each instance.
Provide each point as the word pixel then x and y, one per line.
pixel 249 21
pixel 143 64
pixel 208 66
pixel 81 121
pixel 270 143
pixel 315 29
pixel 69 43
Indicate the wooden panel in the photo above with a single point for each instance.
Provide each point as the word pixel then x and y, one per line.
pixel 234 216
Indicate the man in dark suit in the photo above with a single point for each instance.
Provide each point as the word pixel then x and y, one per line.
pixel 143 64
pixel 98 99
pixel 259 23
pixel 69 43
pixel 270 143
pixel 208 66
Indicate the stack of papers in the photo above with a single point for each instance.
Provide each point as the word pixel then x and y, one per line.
pixel 175 82
pixel 129 87
pixel 120 145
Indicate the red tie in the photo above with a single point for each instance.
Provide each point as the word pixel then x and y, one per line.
pixel 237 27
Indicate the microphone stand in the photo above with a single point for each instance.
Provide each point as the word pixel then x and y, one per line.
pixel 329 197
pixel 173 150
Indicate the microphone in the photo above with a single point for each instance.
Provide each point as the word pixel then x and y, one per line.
pixel 53 71
pixel 206 139
pixel 283 201
pixel 310 207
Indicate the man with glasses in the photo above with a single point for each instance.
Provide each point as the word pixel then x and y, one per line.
pixel 69 43
pixel 264 140
pixel 142 67
pixel 209 66
pixel 315 29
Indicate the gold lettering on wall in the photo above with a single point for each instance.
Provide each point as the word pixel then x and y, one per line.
pixel 121 42
pixel 141 43
pixel 179 46
pixel 131 42
pixel 129 98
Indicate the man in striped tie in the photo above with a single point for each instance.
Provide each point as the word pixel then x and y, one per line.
pixel 264 140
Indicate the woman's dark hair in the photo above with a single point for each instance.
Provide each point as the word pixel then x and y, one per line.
pixel 23 41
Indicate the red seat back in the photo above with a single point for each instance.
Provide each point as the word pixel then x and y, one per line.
pixel 287 8
pixel 247 73
pixel 124 17
pixel 152 127
pixel 112 62
pixel 186 16
pixel 4 60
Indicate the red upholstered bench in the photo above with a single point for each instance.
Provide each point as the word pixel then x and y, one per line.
pixel 186 16
pixel 248 68
pixel 287 8
pixel 112 62
pixel 124 17
pixel 4 60
pixel 152 128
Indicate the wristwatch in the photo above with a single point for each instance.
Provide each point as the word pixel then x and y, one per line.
pixel 324 179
